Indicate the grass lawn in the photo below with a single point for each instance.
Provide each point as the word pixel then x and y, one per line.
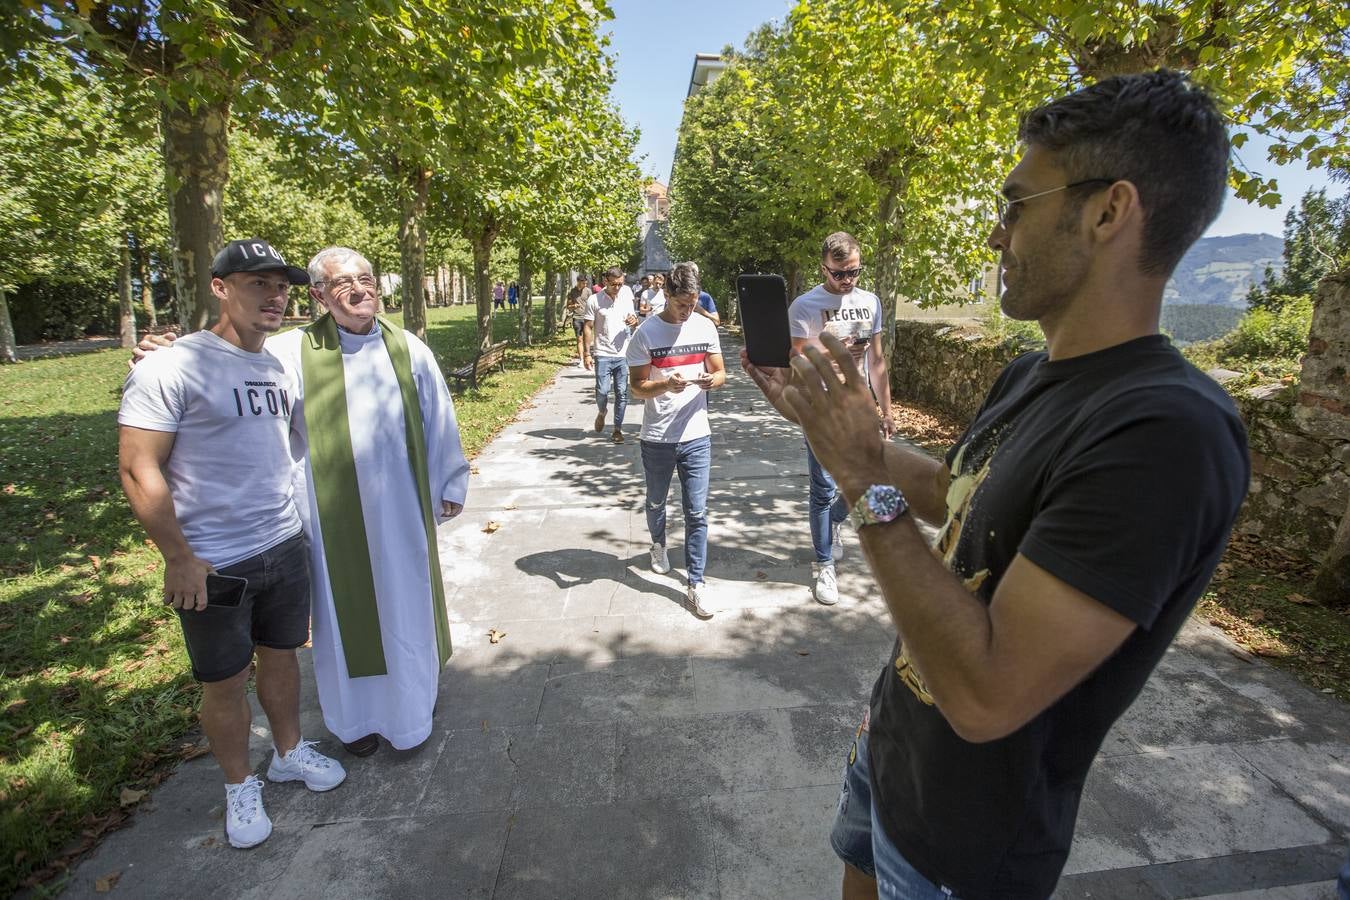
pixel 94 684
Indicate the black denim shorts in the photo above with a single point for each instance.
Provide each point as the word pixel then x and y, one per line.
pixel 273 613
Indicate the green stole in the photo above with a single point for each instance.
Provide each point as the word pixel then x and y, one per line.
pixel 338 496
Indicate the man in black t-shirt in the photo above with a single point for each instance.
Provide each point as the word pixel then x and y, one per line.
pixel 1082 512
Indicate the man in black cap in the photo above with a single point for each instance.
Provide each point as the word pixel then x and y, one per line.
pixel 206 464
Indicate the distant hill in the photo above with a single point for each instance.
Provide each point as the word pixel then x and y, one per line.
pixel 1219 270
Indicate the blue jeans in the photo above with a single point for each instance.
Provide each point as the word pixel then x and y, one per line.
pixel 859 840
pixel 1343 882
pixel 693 459
pixel 612 369
pixel 828 507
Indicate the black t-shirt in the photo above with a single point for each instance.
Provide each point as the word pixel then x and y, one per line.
pixel 1119 472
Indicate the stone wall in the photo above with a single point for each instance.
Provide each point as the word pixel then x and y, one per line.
pixel 1299 486
pixel 947 366
pixel 1300 437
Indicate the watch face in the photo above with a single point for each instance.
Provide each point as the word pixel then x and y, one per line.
pixel 884 501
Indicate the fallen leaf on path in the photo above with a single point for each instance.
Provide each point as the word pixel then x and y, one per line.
pixel 803 652
pixel 473 470
pixel 761 575
pixel 1273 651
pixel 192 751
pixel 495 636
pixel 1222 571
pixel 105 884
pixel 130 797
pixel 96 562
pixel 510 506
pixel 82 599
pixel 1299 599
pixel 491 527
pixel 485 726
pixel 1256 615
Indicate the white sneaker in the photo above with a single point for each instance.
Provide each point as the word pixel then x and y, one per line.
pixel 695 597
pixel 246 822
pixel 827 589
pixel 304 763
pixel 837 541
pixel 660 561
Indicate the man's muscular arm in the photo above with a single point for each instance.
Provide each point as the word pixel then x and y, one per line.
pixel 141 458
pixel 990 669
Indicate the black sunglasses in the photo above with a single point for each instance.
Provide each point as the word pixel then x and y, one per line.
pixel 843 274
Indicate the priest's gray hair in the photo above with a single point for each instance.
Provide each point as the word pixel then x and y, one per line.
pixel 318 266
pixel 683 280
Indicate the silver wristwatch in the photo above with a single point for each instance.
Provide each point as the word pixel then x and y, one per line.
pixel 879 503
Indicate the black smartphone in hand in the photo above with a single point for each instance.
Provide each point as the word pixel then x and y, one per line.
pixel 764 319
pixel 225 590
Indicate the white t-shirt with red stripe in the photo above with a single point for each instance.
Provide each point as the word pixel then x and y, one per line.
pixel 667 348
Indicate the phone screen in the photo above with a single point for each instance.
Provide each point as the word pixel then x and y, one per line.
pixel 225 590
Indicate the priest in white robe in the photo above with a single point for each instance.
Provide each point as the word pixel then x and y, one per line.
pixel 382 464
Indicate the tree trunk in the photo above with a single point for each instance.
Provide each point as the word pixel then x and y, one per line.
pixel 550 310
pixel 7 347
pixel 890 240
pixel 143 273
pixel 794 281
pixel 412 249
pixel 526 295
pixel 196 168
pixel 482 258
pixel 125 312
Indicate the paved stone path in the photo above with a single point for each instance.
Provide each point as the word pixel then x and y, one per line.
pixel 611 745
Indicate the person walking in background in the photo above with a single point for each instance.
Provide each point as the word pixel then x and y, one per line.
pixel 839 307
pixel 576 311
pixel 610 318
pixel 706 306
pixel 513 294
pixel 498 296
pixel 674 360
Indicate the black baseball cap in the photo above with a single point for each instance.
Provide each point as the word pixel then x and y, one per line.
pixel 254 255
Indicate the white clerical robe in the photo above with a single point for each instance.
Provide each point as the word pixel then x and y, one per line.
pixel 398 704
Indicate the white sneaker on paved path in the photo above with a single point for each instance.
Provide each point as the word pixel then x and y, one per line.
pixel 660 561
pixel 695 597
pixel 837 541
pixel 826 589
pixel 304 763
pixel 246 822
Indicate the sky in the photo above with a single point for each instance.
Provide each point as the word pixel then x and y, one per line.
pixel 655 42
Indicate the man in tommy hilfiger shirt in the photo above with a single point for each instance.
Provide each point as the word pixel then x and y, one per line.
pixel 674 359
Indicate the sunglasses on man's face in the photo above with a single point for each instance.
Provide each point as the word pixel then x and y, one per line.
pixel 844 274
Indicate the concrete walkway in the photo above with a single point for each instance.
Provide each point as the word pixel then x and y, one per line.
pixel 612 745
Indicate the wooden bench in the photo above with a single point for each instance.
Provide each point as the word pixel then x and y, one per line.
pixel 484 361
